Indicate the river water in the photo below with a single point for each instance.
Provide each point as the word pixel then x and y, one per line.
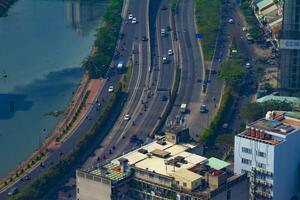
pixel 42 45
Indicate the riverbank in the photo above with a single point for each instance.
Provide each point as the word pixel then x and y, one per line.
pixel 5 5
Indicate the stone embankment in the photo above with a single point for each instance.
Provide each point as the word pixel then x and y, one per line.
pixel 4 6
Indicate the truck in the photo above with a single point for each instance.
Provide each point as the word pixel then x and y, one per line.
pixel 183 108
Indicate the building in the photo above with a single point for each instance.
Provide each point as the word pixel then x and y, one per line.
pixel 269 152
pixel 289 77
pixel 167 168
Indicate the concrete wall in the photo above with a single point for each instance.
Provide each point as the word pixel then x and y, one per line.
pixel 254 146
pixel 92 187
pixel 239 191
pixel 286 171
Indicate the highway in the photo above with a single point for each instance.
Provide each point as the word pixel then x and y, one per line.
pixel 192 67
pixel 144 103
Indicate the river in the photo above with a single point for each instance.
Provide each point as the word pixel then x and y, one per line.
pixel 42 46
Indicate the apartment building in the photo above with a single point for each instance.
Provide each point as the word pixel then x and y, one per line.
pixel 290 46
pixel 168 168
pixel 269 152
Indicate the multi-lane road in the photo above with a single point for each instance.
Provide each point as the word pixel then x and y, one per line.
pixel 151 82
pixel 146 89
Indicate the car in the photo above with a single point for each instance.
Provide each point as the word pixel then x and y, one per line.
pixel 133 138
pixel 248 65
pixel 230 21
pixel 130 16
pixel 127 117
pixel 144 39
pixel 163 32
pixel 13 191
pixel 27 178
pixel 121 36
pixel 170 52
pixel 164 60
pixel 203 109
pixel 164 98
pixel 164 7
pixel 244 29
pixel 134 21
pixel 111 89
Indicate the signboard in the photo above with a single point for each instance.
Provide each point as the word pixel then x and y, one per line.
pixel 289 44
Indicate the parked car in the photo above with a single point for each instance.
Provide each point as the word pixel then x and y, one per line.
pixel 170 52
pixel 230 21
pixel 130 16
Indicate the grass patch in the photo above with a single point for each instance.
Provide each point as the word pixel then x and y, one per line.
pixel 126 79
pixel 207 15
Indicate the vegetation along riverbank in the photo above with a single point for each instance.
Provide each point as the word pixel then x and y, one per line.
pixel 4 6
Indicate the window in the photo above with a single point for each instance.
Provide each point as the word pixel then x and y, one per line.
pixel 246 150
pixel 246 161
pixel 184 184
pixel 261 165
pixel 261 154
pixel 245 171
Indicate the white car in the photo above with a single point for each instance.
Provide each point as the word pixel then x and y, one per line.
pixel 164 60
pixel 170 52
pixel 127 117
pixel 230 21
pixel 248 65
pixel 111 89
pixel 130 16
pixel 244 29
pixel 134 20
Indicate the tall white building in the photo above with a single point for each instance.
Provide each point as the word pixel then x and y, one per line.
pixel 269 151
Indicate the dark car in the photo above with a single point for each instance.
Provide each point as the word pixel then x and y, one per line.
pixel 13 191
pixel 144 39
pixel 133 138
pixel 164 98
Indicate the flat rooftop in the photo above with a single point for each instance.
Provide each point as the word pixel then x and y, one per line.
pixel 157 155
pixel 274 128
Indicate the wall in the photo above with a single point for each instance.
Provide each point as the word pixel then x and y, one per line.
pixel 239 191
pixel 92 187
pixel 286 172
pixel 254 146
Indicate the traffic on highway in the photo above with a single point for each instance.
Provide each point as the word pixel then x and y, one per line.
pixel 153 43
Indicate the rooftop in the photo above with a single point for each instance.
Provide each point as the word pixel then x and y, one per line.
pixel 293 100
pixel 264 3
pixel 217 164
pixel 274 128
